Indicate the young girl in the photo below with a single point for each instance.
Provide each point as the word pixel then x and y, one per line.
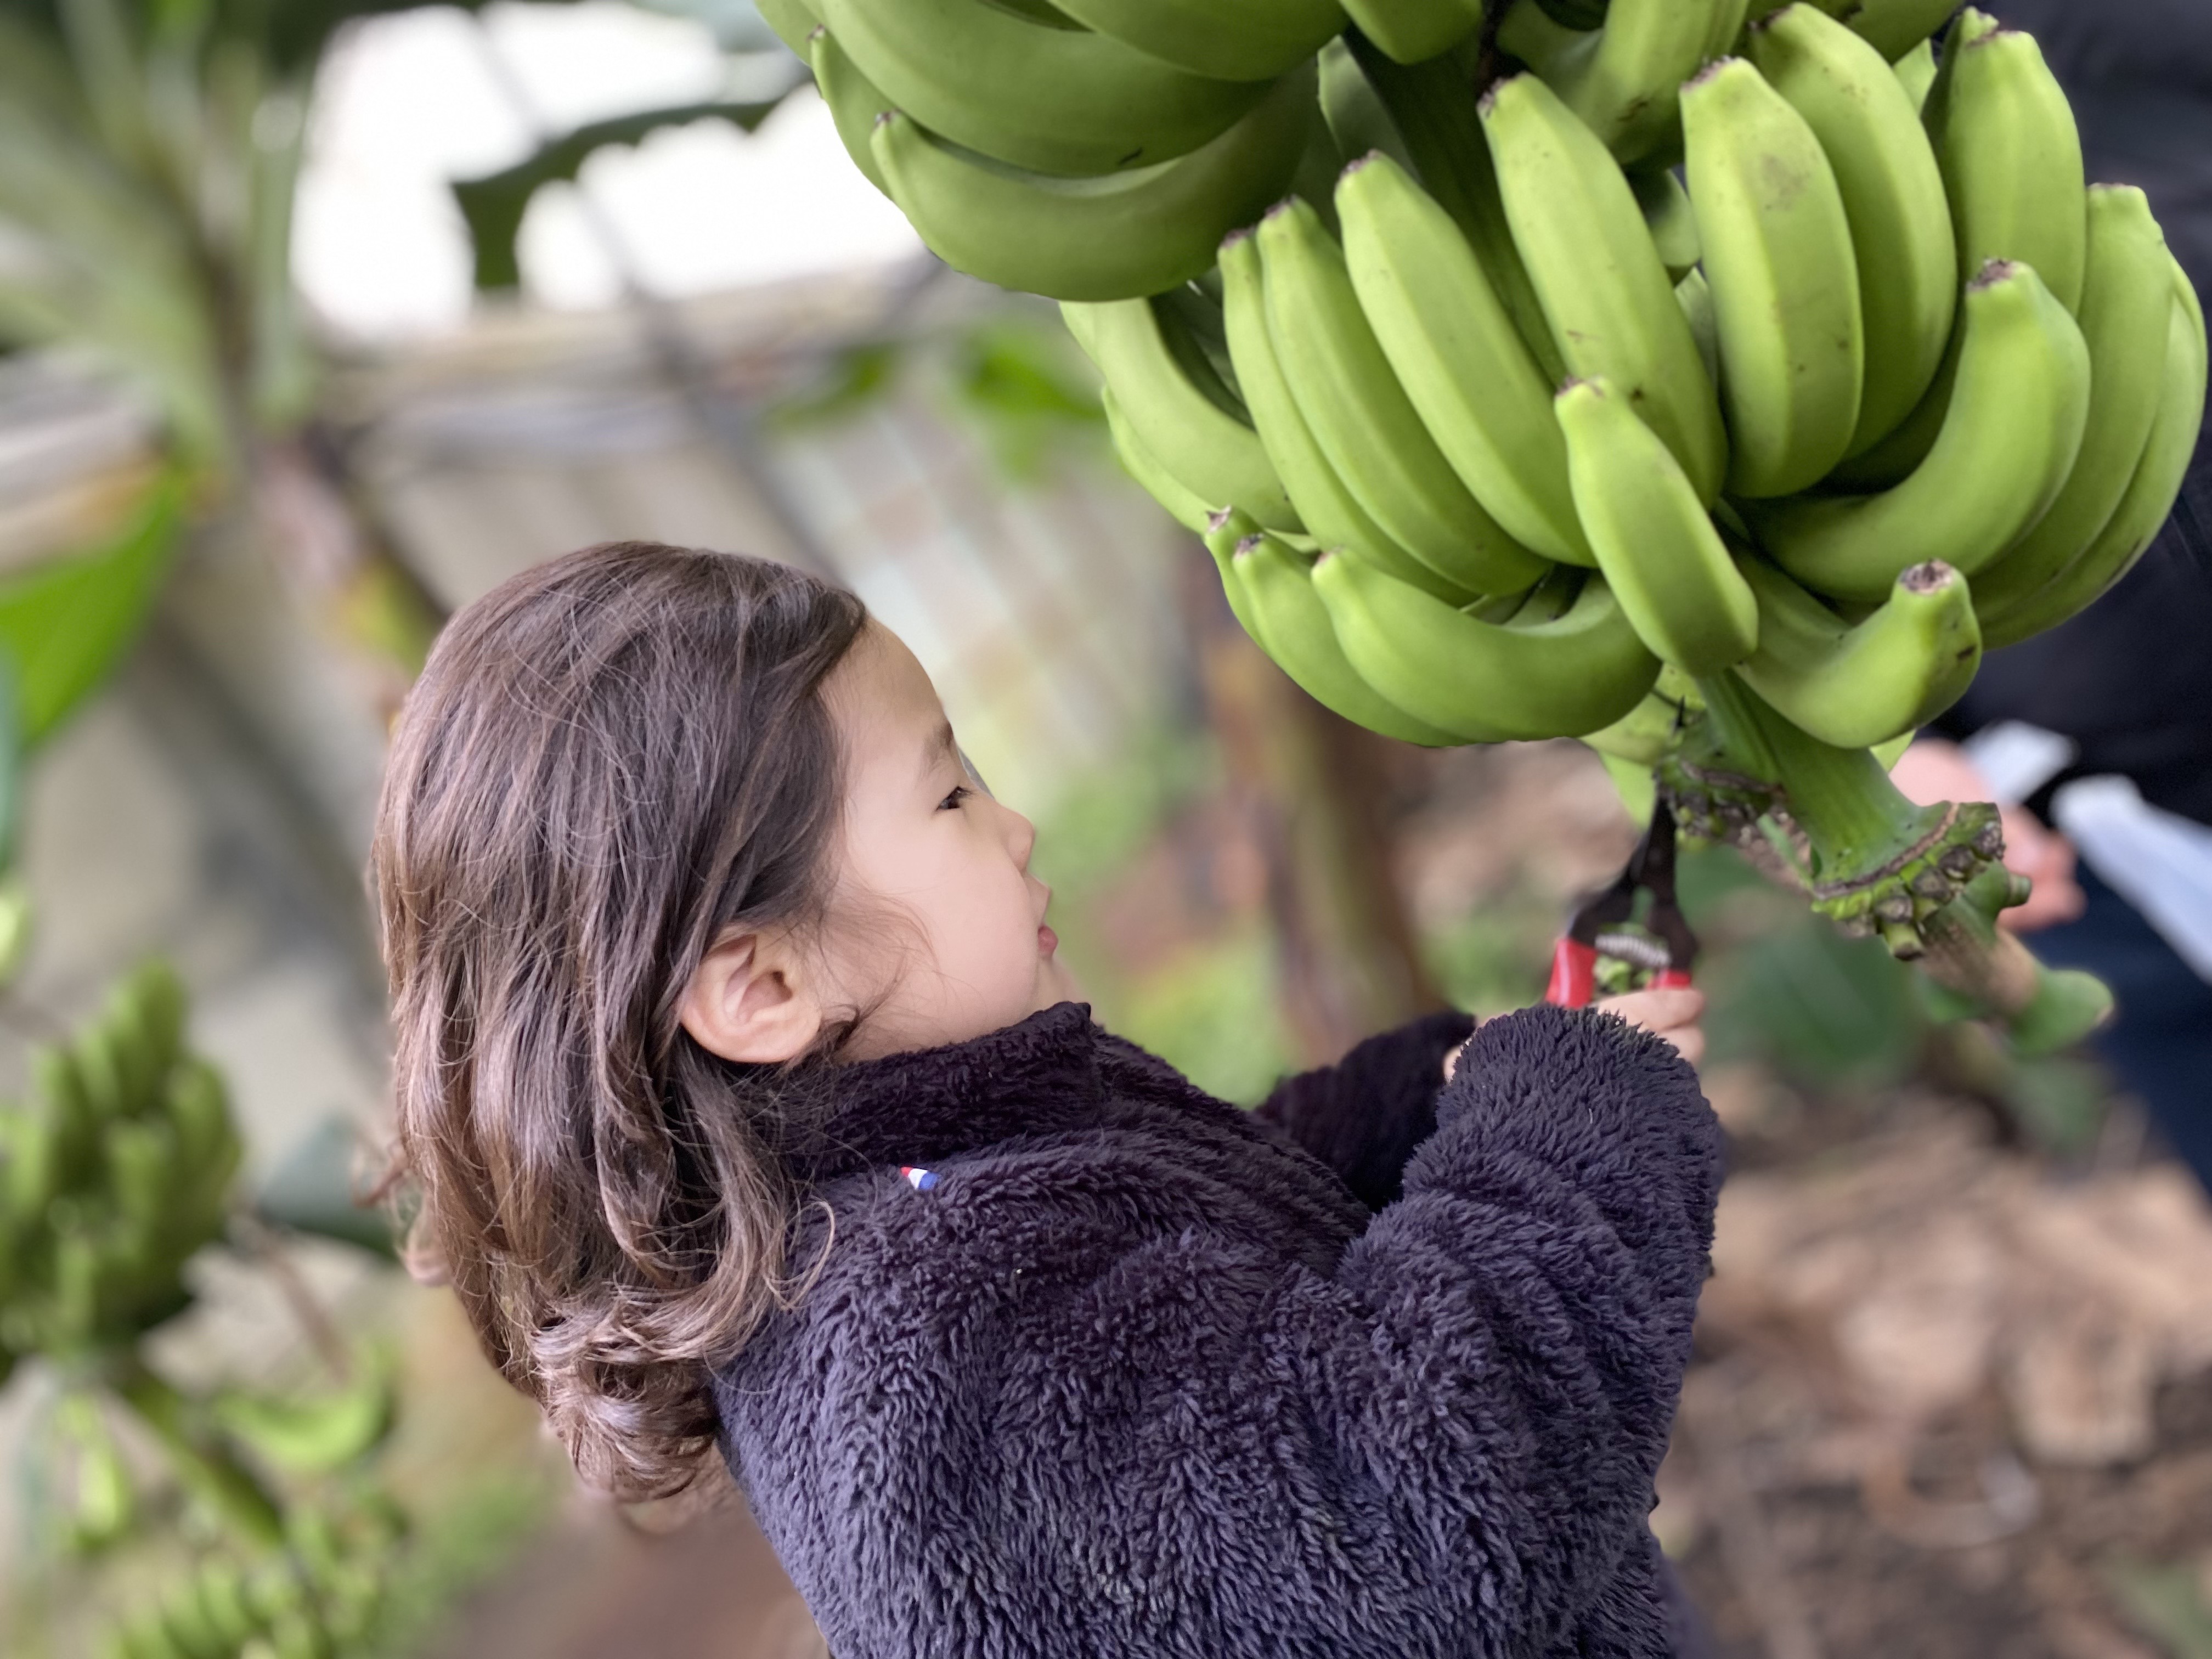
pixel 752 1112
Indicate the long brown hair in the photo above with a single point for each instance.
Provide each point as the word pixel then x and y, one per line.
pixel 608 763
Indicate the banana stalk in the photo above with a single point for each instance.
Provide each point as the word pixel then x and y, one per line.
pixel 1877 862
pixel 1929 880
pixel 203 1463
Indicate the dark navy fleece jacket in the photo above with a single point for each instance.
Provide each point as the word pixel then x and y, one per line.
pixel 1143 1374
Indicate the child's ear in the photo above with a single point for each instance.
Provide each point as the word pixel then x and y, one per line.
pixel 751 1000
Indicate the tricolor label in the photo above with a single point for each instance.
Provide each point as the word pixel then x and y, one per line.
pixel 920 1180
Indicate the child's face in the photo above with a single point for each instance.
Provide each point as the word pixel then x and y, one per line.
pixel 964 949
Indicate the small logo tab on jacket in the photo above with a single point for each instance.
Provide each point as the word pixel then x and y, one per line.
pixel 920 1180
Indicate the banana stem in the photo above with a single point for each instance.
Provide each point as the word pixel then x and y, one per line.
pixel 1880 864
pixel 1855 818
pixel 206 1469
pixel 2042 1010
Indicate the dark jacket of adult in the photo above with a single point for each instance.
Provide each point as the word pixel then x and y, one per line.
pixel 2130 680
pixel 1132 1372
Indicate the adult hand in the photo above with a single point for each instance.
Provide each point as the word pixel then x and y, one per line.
pixel 1672 1014
pixel 1933 770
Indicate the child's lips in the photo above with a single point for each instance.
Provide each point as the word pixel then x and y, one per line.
pixel 1047 941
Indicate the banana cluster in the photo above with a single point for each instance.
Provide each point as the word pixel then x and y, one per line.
pixel 1710 381
pixel 1853 392
pixel 319 1598
pixel 1091 151
pixel 115 1170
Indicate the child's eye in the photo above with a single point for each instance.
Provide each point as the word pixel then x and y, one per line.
pixel 951 802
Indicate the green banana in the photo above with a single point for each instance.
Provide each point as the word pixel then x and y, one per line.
pixel 1329 510
pixel 1223 533
pixel 1970 25
pixel 1294 627
pixel 2012 162
pixel 1353 111
pixel 1695 295
pixel 1414 31
pixel 2127 305
pixel 1855 687
pixel 1094 238
pixel 2142 513
pixel 792 21
pixel 1172 399
pixel 105 1499
pixel 1648 733
pixel 1777 252
pixel 1897 28
pixel 1487 682
pixel 311 1436
pixel 1623 79
pixel 1665 562
pixel 221 1588
pixel 141 1158
pixel 1604 289
pixel 1228 39
pixel 34 1142
pixel 1885 170
pixel 855 105
pixel 1463 363
pixel 1059 102
pixel 2014 428
pixel 1671 218
pixel 1431 106
pixel 1916 73
pixel 1183 504
pixel 1361 418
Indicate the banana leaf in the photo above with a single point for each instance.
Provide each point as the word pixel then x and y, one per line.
pixel 64 624
pixel 493 205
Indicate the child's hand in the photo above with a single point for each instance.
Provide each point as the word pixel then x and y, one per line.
pixel 1672 1014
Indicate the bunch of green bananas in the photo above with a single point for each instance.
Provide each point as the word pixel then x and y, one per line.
pixel 114 1171
pixel 1087 151
pixel 319 1597
pixel 1710 381
pixel 1501 429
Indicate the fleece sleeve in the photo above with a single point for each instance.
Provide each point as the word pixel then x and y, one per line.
pixel 1364 1115
pixel 1442 1440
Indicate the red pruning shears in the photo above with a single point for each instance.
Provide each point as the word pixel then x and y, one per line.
pixel 1606 926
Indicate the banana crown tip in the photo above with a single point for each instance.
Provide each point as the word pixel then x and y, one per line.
pixel 1592 385
pixel 820 32
pixel 1361 163
pixel 1236 238
pixel 1488 102
pixel 1282 210
pixel 1714 69
pixel 886 117
pixel 1218 519
pixel 1933 577
pixel 1994 271
pixel 1251 543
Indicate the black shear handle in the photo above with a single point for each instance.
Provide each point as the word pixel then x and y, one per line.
pixel 1575 958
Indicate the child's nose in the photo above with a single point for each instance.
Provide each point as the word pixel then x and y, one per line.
pixel 1023 842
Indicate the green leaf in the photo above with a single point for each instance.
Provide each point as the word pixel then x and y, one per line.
pixel 2164 1604
pixel 493 205
pixel 64 624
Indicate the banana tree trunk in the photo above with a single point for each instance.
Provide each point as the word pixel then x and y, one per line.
pixel 1311 786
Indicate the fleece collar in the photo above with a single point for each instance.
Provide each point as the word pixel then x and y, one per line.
pixel 1040 1076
